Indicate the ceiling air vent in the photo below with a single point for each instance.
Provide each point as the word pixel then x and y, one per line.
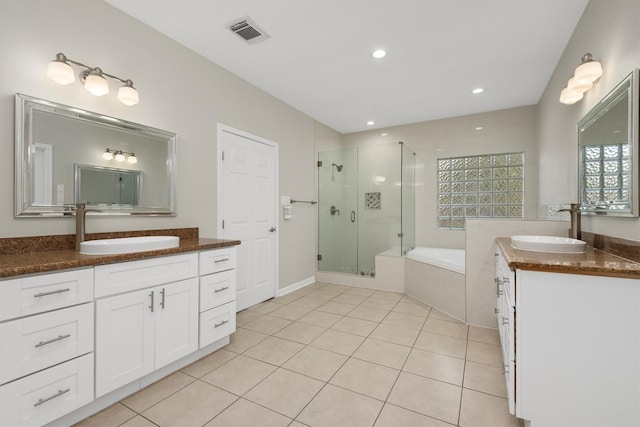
pixel 248 30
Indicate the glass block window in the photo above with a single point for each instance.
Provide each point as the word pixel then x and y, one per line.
pixel 485 186
pixel 606 177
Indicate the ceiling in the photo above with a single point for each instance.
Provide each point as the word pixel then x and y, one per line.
pixel 318 57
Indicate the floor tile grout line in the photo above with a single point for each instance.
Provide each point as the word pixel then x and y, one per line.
pixel 344 290
pixel 464 369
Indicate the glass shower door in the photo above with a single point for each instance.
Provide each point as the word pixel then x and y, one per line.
pixel 379 198
pixel 408 200
pixel 337 211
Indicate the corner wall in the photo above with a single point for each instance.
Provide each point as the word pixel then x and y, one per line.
pixel 511 130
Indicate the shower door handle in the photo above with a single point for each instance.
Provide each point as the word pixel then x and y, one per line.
pixel 353 216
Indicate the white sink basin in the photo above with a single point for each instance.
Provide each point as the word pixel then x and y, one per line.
pixel 548 244
pixel 127 245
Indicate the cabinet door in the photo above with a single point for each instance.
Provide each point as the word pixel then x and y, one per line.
pixel 124 339
pixel 176 320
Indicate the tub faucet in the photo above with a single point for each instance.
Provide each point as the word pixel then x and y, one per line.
pixel 575 231
pixel 81 212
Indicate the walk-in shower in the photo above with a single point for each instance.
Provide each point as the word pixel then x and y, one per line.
pixel 366 206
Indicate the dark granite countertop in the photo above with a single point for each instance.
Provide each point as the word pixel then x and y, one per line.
pixel 593 262
pixel 40 254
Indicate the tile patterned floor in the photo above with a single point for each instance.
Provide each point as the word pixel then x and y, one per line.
pixel 331 355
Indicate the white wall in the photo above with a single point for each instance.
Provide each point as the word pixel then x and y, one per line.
pixel 180 91
pixel 610 30
pixel 511 130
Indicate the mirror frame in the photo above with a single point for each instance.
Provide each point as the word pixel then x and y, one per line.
pixel 25 105
pixel 629 86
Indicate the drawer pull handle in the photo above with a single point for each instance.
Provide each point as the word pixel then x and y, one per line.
pixel 217 325
pixel 46 399
pixel 43 343
pixel 44 294
pixel 221 260
pixel 221 289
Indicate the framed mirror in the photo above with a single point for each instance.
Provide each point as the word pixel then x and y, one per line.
pixel 66 155
pixel 608 152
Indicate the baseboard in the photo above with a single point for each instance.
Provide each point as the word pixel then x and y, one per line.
pixel 296 286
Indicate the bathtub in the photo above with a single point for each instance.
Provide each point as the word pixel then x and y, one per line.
pixel 451 259
pixel 436 276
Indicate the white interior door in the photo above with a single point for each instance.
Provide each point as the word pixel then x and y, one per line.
pixel 248 207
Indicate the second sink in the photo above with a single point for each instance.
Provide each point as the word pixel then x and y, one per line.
pixel 128 245
pixel 548 244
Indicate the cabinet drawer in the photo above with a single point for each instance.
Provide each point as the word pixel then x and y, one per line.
pixel 33 343
pixel 217 323
pixel 217 289
pixel 217 260
pixel 44 396
pixel 133 275
pixel 37 294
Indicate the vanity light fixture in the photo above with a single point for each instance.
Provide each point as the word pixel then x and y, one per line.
pixel 120 156
pixel 583 78
pixel 93 79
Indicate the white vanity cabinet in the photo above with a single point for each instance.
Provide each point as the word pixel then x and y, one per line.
pixel 505 312
pixel 46 346
pixel 576 341
pixel 217 294
pixel 140 331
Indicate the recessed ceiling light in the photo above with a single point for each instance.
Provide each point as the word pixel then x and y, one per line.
pixel 384 134
pixel 477 90
pixel 479 128
pixel 379 53
pixel 371 123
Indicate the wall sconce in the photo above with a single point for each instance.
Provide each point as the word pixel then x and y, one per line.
pixel 119 155
pixel 585 75
pixel 93 79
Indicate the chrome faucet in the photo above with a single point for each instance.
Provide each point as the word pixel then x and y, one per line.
pixel 81 212
pixel 575 231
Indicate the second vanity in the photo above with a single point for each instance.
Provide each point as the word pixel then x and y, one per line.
pixel 570 333
pixel 90 330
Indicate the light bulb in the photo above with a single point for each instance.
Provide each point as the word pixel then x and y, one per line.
pixel 119 156
pixel 59 71
pixel 107 155
pixel 588 72
pixel 127 94
pixel 132 159
pixel 578 85
pixel 95 83
pixel 379 54
pixel 569 97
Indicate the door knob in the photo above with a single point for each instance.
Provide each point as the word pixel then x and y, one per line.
pixel 272 229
